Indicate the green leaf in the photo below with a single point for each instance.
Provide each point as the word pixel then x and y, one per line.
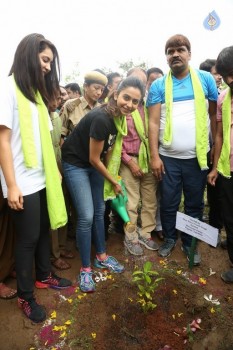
pixel 141 288
pixel 137 273
pixel 135 279
pixel 147 266
pixel 153 273
pixel 148 295
pixel 148 279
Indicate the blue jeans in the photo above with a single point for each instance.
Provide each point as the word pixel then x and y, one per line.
pixel 181 175
pixel 86 189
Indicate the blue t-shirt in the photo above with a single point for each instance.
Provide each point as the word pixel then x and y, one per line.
pixel 183 143
pixel 182 89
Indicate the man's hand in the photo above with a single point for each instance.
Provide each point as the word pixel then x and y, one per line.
pixel 135 169
pixel 212 177
pixel 157 168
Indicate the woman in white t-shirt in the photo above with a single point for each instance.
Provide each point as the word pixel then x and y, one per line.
pixel 24 137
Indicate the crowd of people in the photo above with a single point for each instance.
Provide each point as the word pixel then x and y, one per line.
pixel 63 148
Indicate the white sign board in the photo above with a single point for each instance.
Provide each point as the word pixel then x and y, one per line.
pixel 197 228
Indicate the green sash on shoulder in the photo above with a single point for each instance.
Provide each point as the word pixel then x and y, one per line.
pixel 144 152
pixel 115 160
pixel 201 117
pixel 55 199
pixel 223 166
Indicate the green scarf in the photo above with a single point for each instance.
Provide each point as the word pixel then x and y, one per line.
pixel 115 160
pixel 201 117
pixel 55 199
pixel 223 166
pixel 143 157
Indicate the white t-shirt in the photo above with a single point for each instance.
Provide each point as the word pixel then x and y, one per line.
pixel 183 143
pixel 183 121
pixel 28 180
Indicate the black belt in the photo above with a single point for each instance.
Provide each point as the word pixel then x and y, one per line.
pixel 132 154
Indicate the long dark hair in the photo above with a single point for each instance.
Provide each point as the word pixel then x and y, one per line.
pixel 27 68
pixel 111 107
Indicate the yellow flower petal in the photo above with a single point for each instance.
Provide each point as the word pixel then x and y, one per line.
pixel 178 272
pixel 93 335
pixel 130 299
pixel 63 335
pixel 175 291
pixel 70 301
pixel 53 314
pixel 59 328
pixel 202 280
pixel 68 322
pixel 212 310
pixel 113 317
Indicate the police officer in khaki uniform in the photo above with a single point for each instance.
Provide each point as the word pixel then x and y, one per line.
pixel 75 109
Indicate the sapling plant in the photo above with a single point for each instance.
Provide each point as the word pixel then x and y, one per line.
pixel 147 283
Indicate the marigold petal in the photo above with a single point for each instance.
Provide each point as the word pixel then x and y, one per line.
pixel 53 314
pixel 68 322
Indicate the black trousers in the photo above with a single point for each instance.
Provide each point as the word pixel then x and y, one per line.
pixel 214 194
pixel 227 210
pixel 32 243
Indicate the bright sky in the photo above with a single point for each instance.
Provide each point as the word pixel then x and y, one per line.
pixel 100 33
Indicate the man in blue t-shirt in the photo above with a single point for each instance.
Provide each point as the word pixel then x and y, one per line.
pixel 182 107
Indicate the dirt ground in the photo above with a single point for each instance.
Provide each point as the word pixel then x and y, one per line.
pixel 113 319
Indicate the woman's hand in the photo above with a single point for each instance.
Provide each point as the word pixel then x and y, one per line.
pixel 117 189
pixel 15 198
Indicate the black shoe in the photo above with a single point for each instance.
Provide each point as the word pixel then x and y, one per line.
pixel 35 312
pixel 223 244
pixel 227 276
pixel 53 281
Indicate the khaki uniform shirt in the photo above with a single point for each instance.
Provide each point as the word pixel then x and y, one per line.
pixel 56 135
pixel 72 112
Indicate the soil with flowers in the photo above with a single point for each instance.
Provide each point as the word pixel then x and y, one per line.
pixel 192 308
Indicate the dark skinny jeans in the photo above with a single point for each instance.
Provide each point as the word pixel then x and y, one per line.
pixel 32 243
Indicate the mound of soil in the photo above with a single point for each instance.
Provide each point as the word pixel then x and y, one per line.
pixel 112 318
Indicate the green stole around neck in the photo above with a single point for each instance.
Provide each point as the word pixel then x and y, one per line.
pixel 144 152
pixel 54 194
pixel 115 159
pixel 200 113
pixel 223 166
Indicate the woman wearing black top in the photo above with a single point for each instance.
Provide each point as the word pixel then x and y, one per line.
pixel 84 173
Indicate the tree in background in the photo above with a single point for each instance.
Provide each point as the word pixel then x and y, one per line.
pixel 123 68
pixel 74 76
pixel 127 65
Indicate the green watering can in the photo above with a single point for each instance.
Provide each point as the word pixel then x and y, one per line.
pixel 119 203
